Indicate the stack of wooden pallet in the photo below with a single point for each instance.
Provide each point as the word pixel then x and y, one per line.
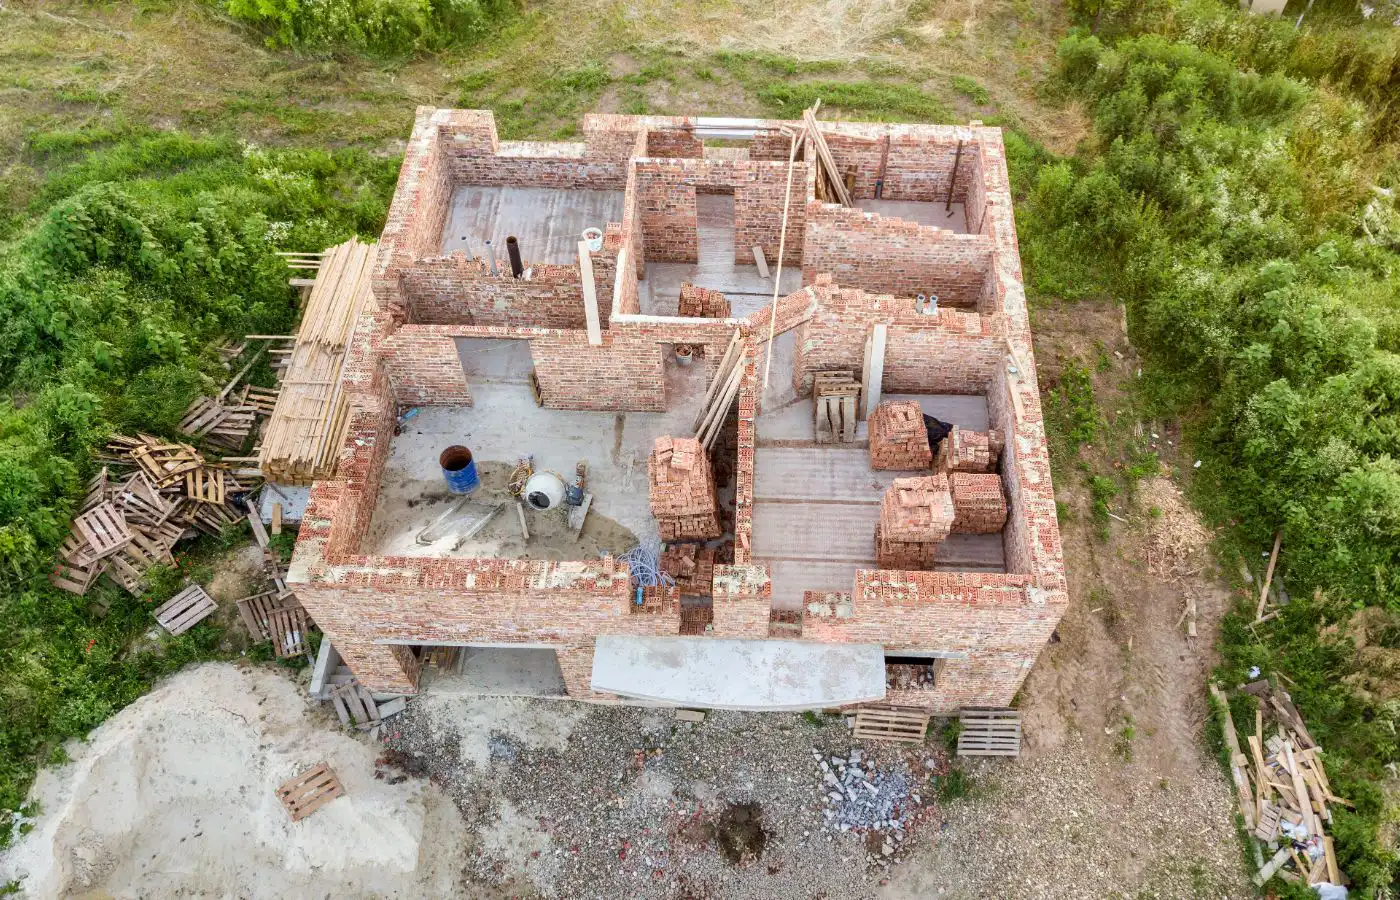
pixel 302 441
pixel 131 522
pixel 836 398
pixel 1285 797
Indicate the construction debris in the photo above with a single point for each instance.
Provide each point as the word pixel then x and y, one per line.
pixel 683 497
pixel 979 502
pixel 1285 797
pixel 131 522
pixel 693 568
pixel 898 438
pixel 303 439
pixel 989 732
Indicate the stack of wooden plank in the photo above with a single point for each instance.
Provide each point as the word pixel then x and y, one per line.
pixel 1285 797
pixel 302 440
pixel 131 522
pixel 836 399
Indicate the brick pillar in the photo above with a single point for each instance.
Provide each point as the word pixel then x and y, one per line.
pixel 743 598
pixel 386 668
pixel 576 664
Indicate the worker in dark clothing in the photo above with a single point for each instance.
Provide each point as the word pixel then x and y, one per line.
pixel 937 431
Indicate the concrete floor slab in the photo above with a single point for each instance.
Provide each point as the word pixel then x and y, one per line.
pixel 793 420
pixel 716 269
pixel 715 673
pixel 548 222
pixel 490 359
pixel 934 214
pixel 505 425
pixel 819 531
pixel 834 473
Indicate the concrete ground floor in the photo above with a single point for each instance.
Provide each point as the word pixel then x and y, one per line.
pixel 498 671
pixel 548 223
pixel 501 428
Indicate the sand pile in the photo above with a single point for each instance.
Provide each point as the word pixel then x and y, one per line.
pixel 174 795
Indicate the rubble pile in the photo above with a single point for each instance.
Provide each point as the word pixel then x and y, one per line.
pixel 862 797
pixel 683 495
pixel 898 438
pixel 979 503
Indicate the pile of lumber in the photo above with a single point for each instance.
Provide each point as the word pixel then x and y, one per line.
pixel 898 438
pixel 130 522
pixel 1285 798
pixel 275 615
pixel 978 502
pixel 226 419
pixel 303 438
pixel 682 491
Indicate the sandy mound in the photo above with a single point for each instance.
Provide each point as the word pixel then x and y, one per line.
pixel 174 795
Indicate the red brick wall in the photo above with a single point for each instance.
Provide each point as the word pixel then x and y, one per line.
pixel 954 352
pixel 425 369
pixel 674 143
pixel 666 200
pixel 625 373
pixel 452 290
pixel 889 255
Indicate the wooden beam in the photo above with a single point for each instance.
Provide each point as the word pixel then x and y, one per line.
pixel 760 261
pixel 874 370
pixel 590 296
pixel 1268 576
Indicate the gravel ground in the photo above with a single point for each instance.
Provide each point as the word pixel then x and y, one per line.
pixel 628 802
pixel 1070 824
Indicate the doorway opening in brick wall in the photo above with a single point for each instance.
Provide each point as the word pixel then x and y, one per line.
pixel 529 671
pixel 907 670
pixel 494 360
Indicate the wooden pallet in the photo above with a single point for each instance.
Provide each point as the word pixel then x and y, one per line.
pixel 186 609
pixel 310 791
pixel 104 529
pixel 891 723
pixel 257 611
pixel 354 705
pixel 989 732
pixel 288 627
pixel 836 401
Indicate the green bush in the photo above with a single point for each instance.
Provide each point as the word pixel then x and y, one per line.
pixel 389 27
pixel 142 254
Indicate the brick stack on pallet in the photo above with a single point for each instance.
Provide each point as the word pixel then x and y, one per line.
pixel 683 490
pixel 979 503
pixel 702 303
pixel 898 438
pixel 969 451
pixel 916 514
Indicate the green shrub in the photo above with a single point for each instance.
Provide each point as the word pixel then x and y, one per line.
pixel 390 27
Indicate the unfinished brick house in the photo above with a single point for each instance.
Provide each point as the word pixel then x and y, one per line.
pixel 581 354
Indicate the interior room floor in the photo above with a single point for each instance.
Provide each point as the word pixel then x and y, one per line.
pixel 503 426
pixel 548 222
pixel 953 219
pixel 500 671
pixel 816 506
pixel 716 269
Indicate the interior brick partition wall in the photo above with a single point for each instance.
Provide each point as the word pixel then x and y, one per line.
pixel 917 166
pixel 997 622
pixel 413 227
pixel 952 352
pixel 891 255
pixel 453 290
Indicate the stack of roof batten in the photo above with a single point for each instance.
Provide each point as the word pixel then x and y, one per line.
pixel 302 440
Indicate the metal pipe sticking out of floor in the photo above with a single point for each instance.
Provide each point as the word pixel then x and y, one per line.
pixel 490 257
pixel 517 266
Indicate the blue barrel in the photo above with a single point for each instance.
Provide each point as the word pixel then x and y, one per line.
pixel 459 470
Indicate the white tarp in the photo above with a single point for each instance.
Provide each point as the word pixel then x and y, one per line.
pixel 717 673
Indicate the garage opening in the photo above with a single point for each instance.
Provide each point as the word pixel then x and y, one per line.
pixel 494 671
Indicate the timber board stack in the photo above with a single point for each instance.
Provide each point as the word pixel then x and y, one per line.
pixel 302 440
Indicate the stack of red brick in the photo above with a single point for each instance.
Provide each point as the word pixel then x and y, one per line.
pixel 979 503
pixel 898 439
pixel 683 490
pixel 969 451
pixel 702 303
pixel 693 568
pixel 916 514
